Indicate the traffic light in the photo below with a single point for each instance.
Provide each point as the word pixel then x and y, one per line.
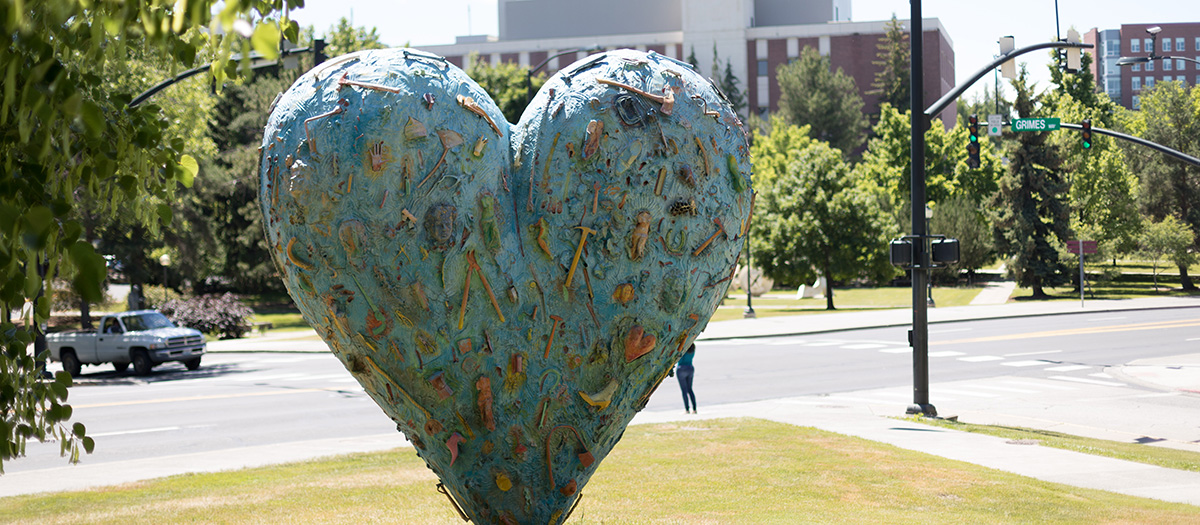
pixel 1087 133
pixel 973 145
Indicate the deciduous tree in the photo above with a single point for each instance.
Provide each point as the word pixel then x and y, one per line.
pixel 813 219
pixel 69 132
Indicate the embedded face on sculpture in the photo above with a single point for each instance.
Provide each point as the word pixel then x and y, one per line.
pixel 509 295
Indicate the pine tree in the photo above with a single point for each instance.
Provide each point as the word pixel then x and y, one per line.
pixel 811 93
pixel 892 80
pixel 1032 215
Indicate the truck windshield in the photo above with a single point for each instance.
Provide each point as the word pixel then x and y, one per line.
pixel 147 321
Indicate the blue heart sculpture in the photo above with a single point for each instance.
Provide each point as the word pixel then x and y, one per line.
pixel 509 295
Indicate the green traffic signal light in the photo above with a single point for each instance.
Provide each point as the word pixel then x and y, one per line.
pixel 1087 133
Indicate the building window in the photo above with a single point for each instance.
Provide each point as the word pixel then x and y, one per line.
pixel 762 111
pixel 1113 48
pixel 1150 66
pixel 762 68
pixel 1137 102
pixel 1179 64
pixel 1148 45
pixel 1136 83
pixel 1114 85
pixel 1197 62
pixel 1166 44
pixel 1136 67
pixel 1167 65
pixel 1198 43
pixel 1149 82
pixel 1135 46
pixel 1179 44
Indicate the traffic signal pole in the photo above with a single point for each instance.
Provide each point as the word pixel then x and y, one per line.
pixel 919 335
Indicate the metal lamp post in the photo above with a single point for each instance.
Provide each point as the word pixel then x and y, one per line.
pixel 749 312
pixel 929 278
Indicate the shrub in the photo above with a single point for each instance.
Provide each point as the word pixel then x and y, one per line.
pixel 224 314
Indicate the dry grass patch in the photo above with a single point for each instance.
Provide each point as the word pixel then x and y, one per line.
pixel 708 471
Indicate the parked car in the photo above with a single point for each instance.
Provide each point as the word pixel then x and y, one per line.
pixel 145 338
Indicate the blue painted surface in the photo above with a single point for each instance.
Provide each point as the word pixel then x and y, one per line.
pixel 515 374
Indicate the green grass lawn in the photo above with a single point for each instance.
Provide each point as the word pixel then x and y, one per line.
pixel 847 300
pixel 706 471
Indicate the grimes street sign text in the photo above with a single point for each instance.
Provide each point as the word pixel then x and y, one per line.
pixel 1034 124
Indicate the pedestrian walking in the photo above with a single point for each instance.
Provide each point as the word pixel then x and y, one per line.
pixel 685 372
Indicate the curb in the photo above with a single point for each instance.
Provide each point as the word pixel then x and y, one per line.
pixel 944 321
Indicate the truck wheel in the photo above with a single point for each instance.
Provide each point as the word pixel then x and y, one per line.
pixel 192 364
pixel 71 363
pixel 141 363
pixel 120 366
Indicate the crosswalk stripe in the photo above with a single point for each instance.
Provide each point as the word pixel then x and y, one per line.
pixel 1087 381
pixel 981 358
pixel 1026 363
pixel 945 353
pixel 1067 368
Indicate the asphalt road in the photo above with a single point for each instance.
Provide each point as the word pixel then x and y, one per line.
pixel 240 400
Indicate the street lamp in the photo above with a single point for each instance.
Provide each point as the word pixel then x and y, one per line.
pixel 165 261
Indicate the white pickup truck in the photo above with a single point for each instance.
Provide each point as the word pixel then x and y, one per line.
pixel 145 338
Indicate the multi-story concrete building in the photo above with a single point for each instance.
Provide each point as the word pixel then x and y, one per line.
pixel 754 36
pixel 1125 84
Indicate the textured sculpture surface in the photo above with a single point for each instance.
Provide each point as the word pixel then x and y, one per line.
pixel 510 295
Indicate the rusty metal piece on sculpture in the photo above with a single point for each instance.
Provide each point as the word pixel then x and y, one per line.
pixel 480 419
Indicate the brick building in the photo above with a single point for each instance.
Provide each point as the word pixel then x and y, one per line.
pixel 754 36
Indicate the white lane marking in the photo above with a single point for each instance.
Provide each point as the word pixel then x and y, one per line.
pixel 1101 375
pixel 864 346
pixel 950 330
pixel 1033 353
pixel 138 431
pixel 981 358
pixel 1039 385
pixel 270 377
pixel 1193 339
pixel 940 390
pixel 327 376
pixel 945 353
pixel 897 350
pixel 1027 363
pixel 292 359
pixel 1108 318
pixel 1067 368
pixel 824 343
pixel 1161 394
pixel 1087 381
pixel 1006 389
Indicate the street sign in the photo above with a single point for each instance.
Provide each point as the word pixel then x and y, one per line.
pixel 1035 124
pixel 1088 247
pixel 994 125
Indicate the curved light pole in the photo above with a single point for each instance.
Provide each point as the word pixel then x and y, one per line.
pixel 529 74
pixel 1153 31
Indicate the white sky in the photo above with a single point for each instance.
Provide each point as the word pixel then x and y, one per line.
pixel 973 25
